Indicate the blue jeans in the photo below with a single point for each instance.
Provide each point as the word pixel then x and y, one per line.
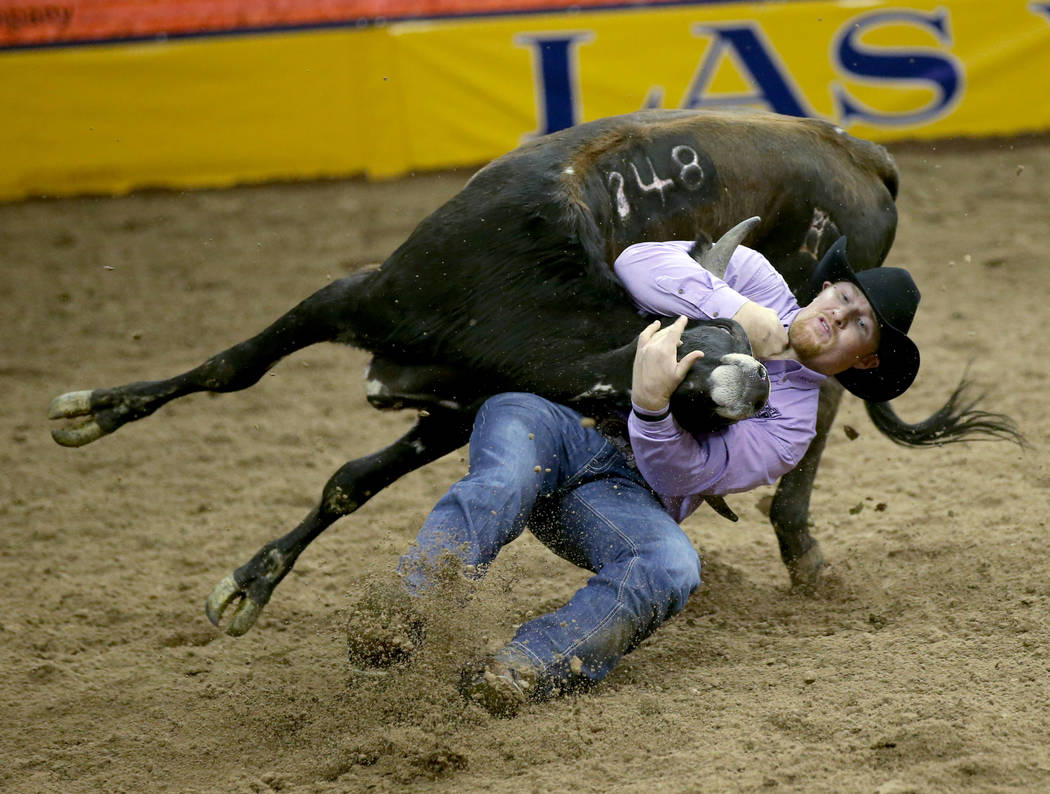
pixel 533 463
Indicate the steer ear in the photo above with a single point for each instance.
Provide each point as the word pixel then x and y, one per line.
pixel 715 258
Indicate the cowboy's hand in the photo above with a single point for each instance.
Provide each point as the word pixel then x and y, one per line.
pixel 657 370
pixel 763 327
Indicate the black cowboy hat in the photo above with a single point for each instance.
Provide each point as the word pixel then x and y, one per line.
pixel 894 298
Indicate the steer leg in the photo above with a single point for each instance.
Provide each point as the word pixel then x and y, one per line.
pixel 322 317
pixel 436 433
pixel 789 513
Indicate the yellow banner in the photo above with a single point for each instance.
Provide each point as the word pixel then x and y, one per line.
pixel 384 100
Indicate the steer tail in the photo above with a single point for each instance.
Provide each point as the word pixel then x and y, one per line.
pixel 959 419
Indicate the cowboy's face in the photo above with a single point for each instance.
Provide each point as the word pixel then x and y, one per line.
pixel 837 331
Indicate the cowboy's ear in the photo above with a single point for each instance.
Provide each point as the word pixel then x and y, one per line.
pixel 869 361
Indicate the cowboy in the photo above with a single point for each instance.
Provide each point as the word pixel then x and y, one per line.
pixel 614 508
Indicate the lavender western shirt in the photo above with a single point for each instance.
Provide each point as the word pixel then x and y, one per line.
pixel 682 467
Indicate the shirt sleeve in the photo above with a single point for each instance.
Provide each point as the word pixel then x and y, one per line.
pixel 664 279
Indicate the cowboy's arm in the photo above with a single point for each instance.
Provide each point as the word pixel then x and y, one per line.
pixel 664 279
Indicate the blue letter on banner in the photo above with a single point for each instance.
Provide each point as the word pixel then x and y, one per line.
pixel 753 53
pixel 942 72
pixel 554 72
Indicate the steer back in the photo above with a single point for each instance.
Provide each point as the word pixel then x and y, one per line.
pixel 662 175
pixel 522 255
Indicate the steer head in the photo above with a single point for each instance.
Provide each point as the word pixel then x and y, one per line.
pixel 724 386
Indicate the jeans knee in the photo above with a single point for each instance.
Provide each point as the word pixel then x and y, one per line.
pixel 671 572
pixel 506 415
pixel 513 401
pixel 686 579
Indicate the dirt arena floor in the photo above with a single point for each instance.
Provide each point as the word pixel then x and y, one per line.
pixel 921 665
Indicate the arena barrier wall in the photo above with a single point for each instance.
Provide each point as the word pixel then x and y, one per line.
pixel 110 95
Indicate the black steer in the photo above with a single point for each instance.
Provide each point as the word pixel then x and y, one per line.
pixel 508 286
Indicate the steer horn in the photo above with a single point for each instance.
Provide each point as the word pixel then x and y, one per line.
pixel 715 258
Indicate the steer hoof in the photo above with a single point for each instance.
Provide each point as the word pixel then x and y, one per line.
pixel 805 571
pixel 74 405
pixel 225 593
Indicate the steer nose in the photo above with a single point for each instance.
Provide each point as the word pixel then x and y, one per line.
pixel 716 390
pixel 740 386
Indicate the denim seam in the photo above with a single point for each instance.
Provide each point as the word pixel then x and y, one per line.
pixel 619 590
pixel 607 463
pixel 585 468
pixel 527 652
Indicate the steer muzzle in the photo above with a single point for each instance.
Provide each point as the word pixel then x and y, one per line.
pixel 726 385
pixel 717 393
pixel 740 386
